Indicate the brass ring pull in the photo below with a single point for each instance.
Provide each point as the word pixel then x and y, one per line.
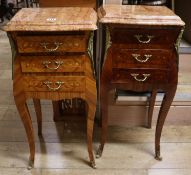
pixel 147 40
pixel 57 64
pixel 58 83
pixel 147 57
pixel 45 45
pixel 145 76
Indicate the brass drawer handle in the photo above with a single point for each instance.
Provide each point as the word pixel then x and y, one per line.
pixel 147 57
pixel 147 40
pixel 45 46
pixel 145 76
pixel 57 64
pixel 58 83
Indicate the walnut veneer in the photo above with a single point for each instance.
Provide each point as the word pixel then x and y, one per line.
pixel 141 55
pixel 53 59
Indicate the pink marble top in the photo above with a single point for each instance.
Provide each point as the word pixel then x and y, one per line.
pixel 138 14
pixel 53 19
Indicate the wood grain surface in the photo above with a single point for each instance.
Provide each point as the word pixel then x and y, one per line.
pixel 39 38
pixel 129 27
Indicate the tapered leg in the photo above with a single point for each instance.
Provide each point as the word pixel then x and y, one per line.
pixel 38 111
pixel 91 98
pixel 151 107
pixel 22 108
pixel 166 103
pixel 104 118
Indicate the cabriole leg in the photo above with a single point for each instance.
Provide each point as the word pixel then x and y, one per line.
pixel 166 103
pixel 91 108
pixel 22 108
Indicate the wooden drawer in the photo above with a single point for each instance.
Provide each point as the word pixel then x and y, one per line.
pixel 53 63
pixel 145 38
pixel 54 83
pixel 131 58
pixel 59 43
pixel 140 76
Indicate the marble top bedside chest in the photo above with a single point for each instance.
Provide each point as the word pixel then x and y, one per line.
pixel 140 55
pixel 53 59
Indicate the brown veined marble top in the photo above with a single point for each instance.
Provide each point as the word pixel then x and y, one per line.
pixel 138 14
pixel 53 19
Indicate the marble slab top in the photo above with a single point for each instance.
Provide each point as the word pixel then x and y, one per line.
pixel 138 14
pixel 53 19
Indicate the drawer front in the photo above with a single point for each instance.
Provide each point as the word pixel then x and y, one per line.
pixel 39 44
pixel 145 38
pixel 53 63
pixel 54 83
pixel 136 58
pixel 140 76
